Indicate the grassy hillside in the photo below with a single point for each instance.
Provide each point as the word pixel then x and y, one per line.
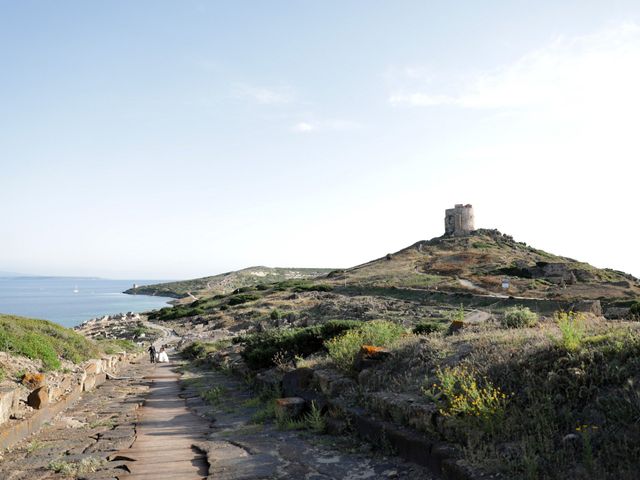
pixel 478 263
pixel 228 282
pixel 47 342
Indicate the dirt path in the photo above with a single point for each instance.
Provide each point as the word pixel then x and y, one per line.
pixel 165 433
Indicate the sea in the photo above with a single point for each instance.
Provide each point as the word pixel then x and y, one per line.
pixel 71 300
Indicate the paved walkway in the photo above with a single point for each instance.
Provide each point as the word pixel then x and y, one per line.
pixel 165 433
pixel 85 436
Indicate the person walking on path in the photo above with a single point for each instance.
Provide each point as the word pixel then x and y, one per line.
pixel 162 356
pixel 152 353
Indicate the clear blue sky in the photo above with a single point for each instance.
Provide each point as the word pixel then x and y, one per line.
pixel 185 138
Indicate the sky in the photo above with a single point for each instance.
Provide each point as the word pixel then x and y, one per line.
pixel 177 139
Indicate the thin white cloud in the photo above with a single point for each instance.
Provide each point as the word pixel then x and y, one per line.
pixel 265 95
pixel 303 127
pixel 336 125
pixel 568 71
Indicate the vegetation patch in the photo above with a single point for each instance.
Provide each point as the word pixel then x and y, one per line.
pixel 241 298
pixel 112 346
pixel 84 466
pixel 200 350
pixel 261 349
pixel 461 392
pixel 572 329
pixel 45 341
pixel 429 327
pixel 518 317
pixel 378 333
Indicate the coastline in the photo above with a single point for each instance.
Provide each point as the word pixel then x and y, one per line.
pixel 71 301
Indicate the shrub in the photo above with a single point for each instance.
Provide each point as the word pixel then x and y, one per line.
pixel 243 298
pixel 261 349
pixel 213 395
pixel 518 317
pixel 320 287
pixel 427 328
pixel 378 333
pixel 178 311
pixel 572 329
pixel 634 310
pixel 302 286
pixel 456 315
pixel 275 314
pixel 460 393
pixel 200 350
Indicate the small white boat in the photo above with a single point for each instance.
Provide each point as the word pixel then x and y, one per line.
pixel 75 289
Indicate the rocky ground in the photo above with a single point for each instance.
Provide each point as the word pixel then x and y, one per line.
pixel 77 444
pixel 88 441
pixel 246 443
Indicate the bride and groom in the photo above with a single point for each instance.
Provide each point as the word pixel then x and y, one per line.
pixel 158 356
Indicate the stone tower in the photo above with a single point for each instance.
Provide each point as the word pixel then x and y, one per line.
pixel 458 221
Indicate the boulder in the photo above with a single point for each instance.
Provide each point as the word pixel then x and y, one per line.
pixel 588 306
pixel 296 381
pixel 455 326
pixel 89 383
pixel 38 398
pixel 7 401
pixel 370 356
pixel 290 407
pixel 332 383
pixel 93 366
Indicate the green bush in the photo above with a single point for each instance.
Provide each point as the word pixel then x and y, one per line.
pixel 178 311
pixel 427 328
pixel 634 310
pixel 261 348
pixel 243 298
pixel 319 287
pixel 302 286
pixel 200 350
pixel 275 314
pixel 344 348
pixel 518 316
pixel 45 341
pixel 572 328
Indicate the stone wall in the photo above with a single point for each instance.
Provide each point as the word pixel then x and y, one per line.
pixel 23 411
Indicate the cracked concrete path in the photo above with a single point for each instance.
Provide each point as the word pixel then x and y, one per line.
pixel 165 434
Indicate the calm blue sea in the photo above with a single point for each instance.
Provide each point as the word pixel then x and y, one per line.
pixel 56 298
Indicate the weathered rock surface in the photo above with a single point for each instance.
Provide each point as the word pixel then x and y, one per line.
pixel 97 425
pixel 238 448
pixel 291 407
pixel 38 398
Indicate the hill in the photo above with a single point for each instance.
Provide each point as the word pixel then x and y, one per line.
pixel 526 382
pixel 227 282
pixel 478 263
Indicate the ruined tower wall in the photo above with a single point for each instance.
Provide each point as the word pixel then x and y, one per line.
pixel 459 220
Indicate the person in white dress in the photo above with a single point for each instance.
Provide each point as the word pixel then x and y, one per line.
pixel 162 356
